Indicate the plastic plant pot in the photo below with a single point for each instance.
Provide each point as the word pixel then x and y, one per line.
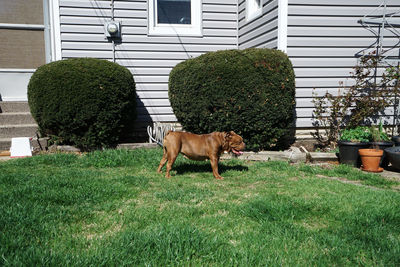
pixel 348 152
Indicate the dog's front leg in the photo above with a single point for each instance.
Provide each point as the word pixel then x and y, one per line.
pixel 214 166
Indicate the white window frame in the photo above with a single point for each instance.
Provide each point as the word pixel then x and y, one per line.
pixel 193 29
pixel 253 10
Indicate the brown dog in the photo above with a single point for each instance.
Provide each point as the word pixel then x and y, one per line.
pixel 199 147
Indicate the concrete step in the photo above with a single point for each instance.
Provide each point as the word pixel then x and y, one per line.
pixel 14 118
pixel 9 131
pixel 5 144
pixel 14 106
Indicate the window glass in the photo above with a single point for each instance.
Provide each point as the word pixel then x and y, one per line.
pixel 174 12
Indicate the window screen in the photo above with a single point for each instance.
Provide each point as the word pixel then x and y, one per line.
pixel 21 11
pixel 22 49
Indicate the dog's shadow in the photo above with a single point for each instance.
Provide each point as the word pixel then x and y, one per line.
pixel 193 167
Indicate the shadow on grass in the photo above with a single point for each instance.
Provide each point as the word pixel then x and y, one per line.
pixel 182 168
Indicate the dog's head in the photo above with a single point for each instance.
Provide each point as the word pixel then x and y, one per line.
pixel 234 143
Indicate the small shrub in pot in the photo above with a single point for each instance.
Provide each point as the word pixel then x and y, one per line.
pixel 356 105
pixel 380 140
pixel 360 134
pixel 350 141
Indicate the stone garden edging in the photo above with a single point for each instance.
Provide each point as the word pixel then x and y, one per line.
pixel 293 155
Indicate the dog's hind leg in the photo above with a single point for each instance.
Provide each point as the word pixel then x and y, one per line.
pixel 172 154
pixel 171 159
pixel 163 160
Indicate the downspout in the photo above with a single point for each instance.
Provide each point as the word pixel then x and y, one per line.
pixel 55 35
pixel 282 25
pixel 237 24
pixel 113 41
pixel 47 31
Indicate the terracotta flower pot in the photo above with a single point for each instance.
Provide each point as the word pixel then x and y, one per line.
pixel 382 145
pixel 370 159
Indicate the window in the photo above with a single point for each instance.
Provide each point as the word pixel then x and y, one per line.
pixel 22 45
pixel 175 17
pixel 253 9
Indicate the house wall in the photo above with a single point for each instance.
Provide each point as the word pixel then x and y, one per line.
pixel 323 37
pixel 262 31
pixel 149 58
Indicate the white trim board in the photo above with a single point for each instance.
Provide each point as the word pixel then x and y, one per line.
pixel 282 25
pixel 54 7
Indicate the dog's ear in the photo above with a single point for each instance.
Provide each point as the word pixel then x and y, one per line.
pixel 232 133
pixel 228 135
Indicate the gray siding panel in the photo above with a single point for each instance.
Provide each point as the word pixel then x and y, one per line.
pixel 372 3
pixel 323 37
pixel 335 42
pixel 262 30
pixel 149 58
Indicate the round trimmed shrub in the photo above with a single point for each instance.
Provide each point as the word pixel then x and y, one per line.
pixel 85 102
pixel 251 92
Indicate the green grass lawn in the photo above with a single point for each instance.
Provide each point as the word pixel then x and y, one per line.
pixel 113 208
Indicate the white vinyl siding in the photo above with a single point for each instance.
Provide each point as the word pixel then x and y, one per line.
pixel 323 37
pixel 262 31
pixel 149 58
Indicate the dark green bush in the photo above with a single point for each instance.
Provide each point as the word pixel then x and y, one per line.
pixel 85 102
pixel 251 92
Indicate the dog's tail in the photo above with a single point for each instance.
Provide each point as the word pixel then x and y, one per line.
pixel 165 136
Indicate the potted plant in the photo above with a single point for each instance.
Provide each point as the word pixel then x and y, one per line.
pixel 350 141
pixel 380 140
pixel 370 159
pixel 357 104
